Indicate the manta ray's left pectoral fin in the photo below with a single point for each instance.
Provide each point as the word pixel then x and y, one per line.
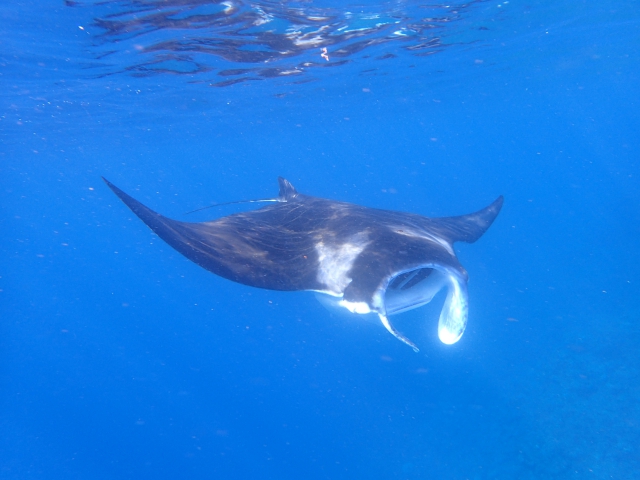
pixel 395 333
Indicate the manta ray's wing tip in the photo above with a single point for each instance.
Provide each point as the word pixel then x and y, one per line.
pixel 111 186
pixel 121 194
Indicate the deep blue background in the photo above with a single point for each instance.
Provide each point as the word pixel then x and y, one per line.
pixel 121 359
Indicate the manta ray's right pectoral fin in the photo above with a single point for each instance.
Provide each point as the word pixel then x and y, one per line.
pixel 395 333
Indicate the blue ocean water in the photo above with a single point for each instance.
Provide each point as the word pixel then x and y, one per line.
pixel 119 358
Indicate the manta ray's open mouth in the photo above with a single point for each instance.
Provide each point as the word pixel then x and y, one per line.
pixel 417 287
pixel 412 289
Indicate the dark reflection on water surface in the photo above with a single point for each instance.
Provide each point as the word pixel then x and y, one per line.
pixel 238 41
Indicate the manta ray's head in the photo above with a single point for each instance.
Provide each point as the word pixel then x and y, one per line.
pixel 410 289
pixel 400 262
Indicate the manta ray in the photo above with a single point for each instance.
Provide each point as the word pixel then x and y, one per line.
pixel 365 260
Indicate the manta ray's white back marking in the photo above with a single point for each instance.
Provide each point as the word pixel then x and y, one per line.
pixel 335 262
